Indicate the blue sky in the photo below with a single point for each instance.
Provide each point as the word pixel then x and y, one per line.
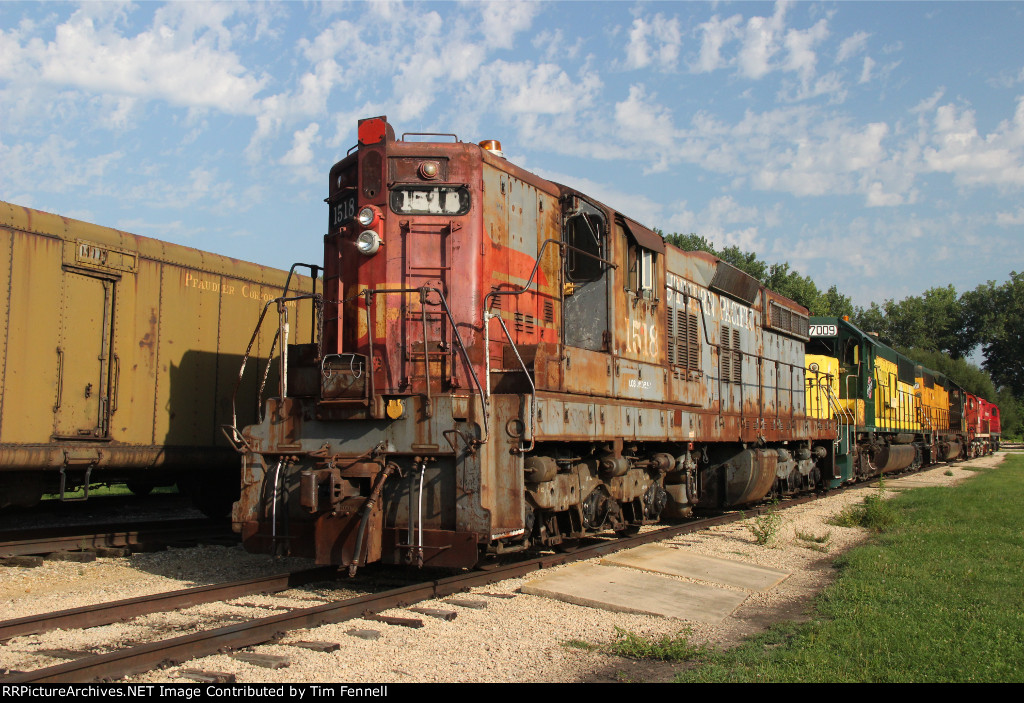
pixel 875 146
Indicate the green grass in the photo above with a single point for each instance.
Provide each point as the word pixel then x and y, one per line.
pixel 936 597
pixel 818 543
pixel 581 644
pixel 629 644
pixel 117 489
pixel 875 513
pixel 765 527
pixel 665 648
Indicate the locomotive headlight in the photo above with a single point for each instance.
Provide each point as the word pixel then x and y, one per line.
pixel 366 216
pixel 429 170
pixel 368 242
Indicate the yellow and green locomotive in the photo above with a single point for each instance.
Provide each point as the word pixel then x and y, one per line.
pixel 893 414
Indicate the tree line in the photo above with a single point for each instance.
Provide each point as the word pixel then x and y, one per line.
pixel 938 328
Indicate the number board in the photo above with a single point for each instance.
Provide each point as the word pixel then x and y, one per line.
pixel 343 210
pixel 824 330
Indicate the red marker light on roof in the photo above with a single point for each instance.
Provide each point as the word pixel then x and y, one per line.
pixel 372 131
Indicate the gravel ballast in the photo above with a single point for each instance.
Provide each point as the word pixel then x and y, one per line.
pixel 520 639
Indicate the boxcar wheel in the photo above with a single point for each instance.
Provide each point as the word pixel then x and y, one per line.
pixel 139 488
pixel 211 496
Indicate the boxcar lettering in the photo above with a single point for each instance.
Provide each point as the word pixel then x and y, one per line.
pixel 192 281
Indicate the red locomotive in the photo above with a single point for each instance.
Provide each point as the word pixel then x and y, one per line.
pixel 505 363
pixel 983 429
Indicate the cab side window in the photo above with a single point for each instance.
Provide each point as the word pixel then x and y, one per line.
pixel 583 259
pixel 640 269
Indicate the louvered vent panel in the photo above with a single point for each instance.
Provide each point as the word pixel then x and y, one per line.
pixel 672 342
pixel 693 342
pixel 737 364
pixel 725 355
pixel 788 321
pixel 682 358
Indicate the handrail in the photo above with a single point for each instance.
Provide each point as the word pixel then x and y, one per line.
pixel 369 294
pixel 489 316
pixel 533 388
pixel 235 436
pixel 537 265
pixel 232 431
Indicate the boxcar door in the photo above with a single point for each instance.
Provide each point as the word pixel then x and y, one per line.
pixel 84 358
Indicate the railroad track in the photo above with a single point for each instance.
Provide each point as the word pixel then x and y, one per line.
pixel 79 538
pixel 120 610
pixel 145 657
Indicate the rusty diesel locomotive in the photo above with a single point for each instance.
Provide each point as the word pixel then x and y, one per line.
pixel 120 358
pixel 503 362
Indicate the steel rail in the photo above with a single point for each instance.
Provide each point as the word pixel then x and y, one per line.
pixel 142 658
pixel 76 537
pixel 120 610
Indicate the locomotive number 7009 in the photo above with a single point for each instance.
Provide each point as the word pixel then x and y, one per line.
pixel 824 330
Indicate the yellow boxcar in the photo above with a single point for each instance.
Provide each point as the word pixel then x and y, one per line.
pixel 121 354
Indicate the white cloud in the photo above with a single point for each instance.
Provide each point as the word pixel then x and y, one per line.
pixel 501 21
pixel 852 46
pixel 720 223
pixel 657 40
pixel 715 33
pixel 802 151
pixel 181 64
pixel 1010 219
pixel 542 90
pixel 644 122
pixel 54 165
pixel 301 153
pixel 877 197
pixel 865 74
pixel 761 43
pixel 802 59
pixel 957 148
pixel 553 44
